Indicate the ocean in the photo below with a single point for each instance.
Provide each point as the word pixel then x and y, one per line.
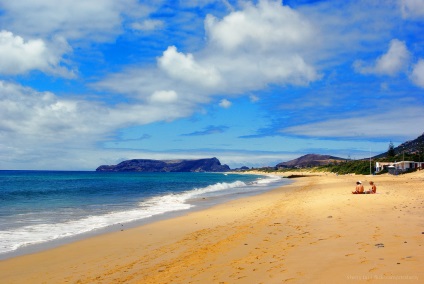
pixel 42 207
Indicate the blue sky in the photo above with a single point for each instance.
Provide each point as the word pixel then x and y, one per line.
pixel 255 83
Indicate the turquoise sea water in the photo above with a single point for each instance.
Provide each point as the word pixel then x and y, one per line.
pixel 41 206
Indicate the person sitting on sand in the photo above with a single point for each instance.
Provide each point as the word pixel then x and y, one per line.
pixel 359 188
pixel 373 188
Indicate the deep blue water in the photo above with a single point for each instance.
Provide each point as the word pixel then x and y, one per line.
pixel 42 206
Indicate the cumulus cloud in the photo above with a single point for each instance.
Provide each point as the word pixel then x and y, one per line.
pixel 268 25
pixel 391 63
pixel 261 44
pixel 184 67
pixel 413 9
pixel 224 103
pixel 244 51
pixel 18 56
pixel 42 29
pixel 417 75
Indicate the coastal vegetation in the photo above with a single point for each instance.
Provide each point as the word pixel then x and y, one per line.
pixel 360 167
pixel 353 166
pixel 344 167
pixel 409 151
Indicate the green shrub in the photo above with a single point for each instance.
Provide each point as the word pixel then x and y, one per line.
pixel 349 167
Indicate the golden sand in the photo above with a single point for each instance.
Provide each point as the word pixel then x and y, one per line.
pixel 312 231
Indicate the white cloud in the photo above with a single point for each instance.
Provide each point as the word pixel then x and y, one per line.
pixel 164 97
pixel 18 56
pixel 215 70
pixel 261 44
pixel 45 117
pixel 268 25
pixel 391 63
pixel 401 122
pixel 265 47
pixel 148 25
pixel 141 84
pixel 42 29
pixel 417 75
pixel 41 124
pixel 224 103
pixel 184 67
pixel 413 9
pixel 72 19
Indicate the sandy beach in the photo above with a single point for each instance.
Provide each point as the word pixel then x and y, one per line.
pixel 311 231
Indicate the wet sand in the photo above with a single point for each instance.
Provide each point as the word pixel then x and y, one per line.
pixel 311 231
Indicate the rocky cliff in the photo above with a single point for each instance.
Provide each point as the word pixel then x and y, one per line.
pixel 145 165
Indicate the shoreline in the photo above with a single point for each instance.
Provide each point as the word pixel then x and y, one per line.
pixel 197 204
pixel 311 230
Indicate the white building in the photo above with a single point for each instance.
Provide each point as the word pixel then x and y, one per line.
pixel 398 167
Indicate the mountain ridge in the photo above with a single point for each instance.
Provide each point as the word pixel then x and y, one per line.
pixel 310 160
pixel 409 147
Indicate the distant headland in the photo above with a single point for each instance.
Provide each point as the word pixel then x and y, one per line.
pixel 147 165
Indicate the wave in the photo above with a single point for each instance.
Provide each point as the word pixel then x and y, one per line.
pixel 191 194
pixel 16 238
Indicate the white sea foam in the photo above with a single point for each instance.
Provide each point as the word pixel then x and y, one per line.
pixel 11 240
pixel 269 179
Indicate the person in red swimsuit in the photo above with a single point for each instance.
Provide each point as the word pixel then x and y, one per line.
pixel 373 188
pixel 359 188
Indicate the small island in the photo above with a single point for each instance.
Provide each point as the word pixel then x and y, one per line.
pixel 147 165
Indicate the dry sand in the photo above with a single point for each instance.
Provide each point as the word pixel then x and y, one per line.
pixel 312 231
